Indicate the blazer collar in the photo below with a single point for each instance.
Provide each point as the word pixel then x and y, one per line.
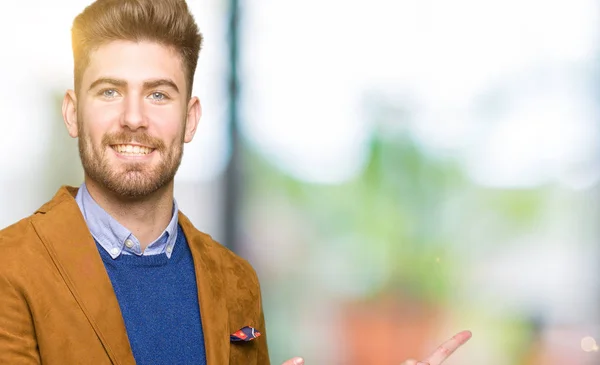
pixel 64 233
pixel 211 293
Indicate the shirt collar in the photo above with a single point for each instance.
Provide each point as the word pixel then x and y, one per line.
pixel 114 237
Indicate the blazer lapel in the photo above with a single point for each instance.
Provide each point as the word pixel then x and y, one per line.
pixel 211 295
pixel 65 235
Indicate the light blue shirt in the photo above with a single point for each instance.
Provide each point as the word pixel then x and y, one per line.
pixel 115 238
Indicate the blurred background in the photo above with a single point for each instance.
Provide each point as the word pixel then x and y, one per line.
pixel 395 170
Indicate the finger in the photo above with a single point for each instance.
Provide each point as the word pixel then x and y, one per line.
pixel 294 361
pixel 410 362
pixel 447 348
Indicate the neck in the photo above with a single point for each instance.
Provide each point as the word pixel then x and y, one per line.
pixel 146 217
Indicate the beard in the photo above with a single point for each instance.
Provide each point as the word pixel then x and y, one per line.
pixel 132 180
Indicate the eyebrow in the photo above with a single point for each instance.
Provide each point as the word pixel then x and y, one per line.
pixel 107 80
pixel 150 84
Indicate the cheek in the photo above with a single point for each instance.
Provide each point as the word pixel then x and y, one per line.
pixel 97 120
pixel 167 124
pixel 91 129
pixel 103 114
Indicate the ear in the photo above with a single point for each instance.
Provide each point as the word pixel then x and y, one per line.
pixel 69 112
pixel 194 112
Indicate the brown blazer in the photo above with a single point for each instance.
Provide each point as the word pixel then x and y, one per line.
pixel 58 307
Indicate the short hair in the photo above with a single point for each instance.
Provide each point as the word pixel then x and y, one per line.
pixel 167 22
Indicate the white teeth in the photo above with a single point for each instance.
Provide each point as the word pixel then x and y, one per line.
pixel 129 150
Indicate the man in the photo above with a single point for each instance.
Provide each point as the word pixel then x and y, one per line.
pixel 111 272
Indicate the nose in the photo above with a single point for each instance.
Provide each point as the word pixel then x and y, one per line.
pixel 133 115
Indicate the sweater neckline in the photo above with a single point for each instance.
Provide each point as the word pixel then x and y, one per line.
pixel 160 259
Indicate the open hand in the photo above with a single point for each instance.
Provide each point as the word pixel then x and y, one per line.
pixel 437 358
pixel 441 353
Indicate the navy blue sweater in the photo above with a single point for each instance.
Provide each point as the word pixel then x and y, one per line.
pixel 159 302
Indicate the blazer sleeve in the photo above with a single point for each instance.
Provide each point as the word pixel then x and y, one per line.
pixel 18 344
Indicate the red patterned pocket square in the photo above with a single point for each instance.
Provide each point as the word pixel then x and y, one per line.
pixel 244 334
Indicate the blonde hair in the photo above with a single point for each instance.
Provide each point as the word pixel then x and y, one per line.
pixel 167 22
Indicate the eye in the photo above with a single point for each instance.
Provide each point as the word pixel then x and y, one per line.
pixel 109 93
pixel 158 96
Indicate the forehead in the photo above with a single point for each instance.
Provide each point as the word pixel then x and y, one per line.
pixel 134 62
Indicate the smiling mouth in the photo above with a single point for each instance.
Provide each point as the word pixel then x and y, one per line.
pixel 132 150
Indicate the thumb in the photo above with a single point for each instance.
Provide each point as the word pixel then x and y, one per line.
pixel 294 361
